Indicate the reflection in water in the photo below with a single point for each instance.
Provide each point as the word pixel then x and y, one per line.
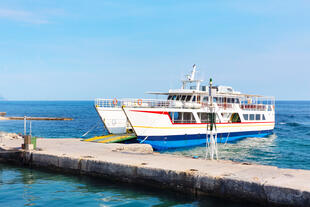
pixel 26 187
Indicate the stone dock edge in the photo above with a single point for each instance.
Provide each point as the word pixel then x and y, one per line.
pixel 185 182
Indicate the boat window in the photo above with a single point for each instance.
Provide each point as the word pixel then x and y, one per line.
pixel 205 99
pixel 183 98
pixel 237 100
pixel 188 98
pixel 169 97
pixel 188 117
pixel 198 98
pixel 174 116
pixel 206 117
pixel 178 98
pixel 235 118
pixel 263 117
pixel 229 100
pixel 246 116
pixel 182 117
pixel 174 97
pixel 251 117
pixel 257 116
pixel 214 99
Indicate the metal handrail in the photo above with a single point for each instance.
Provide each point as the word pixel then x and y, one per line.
pixel 157 103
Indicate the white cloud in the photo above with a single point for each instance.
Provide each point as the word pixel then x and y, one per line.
pixel 22 16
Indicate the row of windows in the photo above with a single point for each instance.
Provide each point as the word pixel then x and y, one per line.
pixel 253 117
pixel 184 98
pixel 205 99
pixel 188 117
pixel 225 100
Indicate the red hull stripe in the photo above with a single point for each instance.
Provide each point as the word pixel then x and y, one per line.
pixel 166 113
pixel 152 112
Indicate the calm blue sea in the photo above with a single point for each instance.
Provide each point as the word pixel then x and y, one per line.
pixel 288 147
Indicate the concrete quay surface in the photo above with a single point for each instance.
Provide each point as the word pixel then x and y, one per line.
pixel 137 163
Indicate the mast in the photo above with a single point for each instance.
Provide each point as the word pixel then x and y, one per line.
pixel 191 79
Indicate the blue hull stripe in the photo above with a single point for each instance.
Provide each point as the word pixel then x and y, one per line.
pixel 190 140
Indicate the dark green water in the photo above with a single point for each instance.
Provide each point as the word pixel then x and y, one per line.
pixel 33 187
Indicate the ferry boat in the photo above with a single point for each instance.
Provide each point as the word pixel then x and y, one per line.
pixel 182 119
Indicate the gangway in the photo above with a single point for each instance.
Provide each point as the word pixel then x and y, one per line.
pixel 112 138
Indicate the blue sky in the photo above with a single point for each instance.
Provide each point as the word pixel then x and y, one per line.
pixel 69 50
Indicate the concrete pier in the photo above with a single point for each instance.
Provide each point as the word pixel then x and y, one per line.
pixel 137 163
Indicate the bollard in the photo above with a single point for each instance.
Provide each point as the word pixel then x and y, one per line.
pixel 27 139
pixel 27 143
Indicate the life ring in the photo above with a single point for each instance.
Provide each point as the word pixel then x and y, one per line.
pixel 139 102
pixel 115 101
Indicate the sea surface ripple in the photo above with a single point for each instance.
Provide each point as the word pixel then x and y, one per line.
pixel 288 147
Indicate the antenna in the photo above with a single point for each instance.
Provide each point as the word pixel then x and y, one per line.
pixel 192 77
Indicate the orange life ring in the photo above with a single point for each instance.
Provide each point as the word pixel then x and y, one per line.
pixel 139 102
pixel 115 101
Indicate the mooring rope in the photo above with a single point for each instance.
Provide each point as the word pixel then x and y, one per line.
pixel 91 129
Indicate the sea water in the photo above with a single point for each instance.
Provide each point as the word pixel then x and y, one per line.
pixel 288 147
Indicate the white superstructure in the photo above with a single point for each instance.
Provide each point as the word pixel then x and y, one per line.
pixel 182 119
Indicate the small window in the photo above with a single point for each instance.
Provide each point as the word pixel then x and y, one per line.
pixel 188 98
pixel 182 117
pixel 205 99
pixel 235 118
pixel 264 118
pixel 215 99
pixel 174 97
pixel 257 116
pixel 198 98
pixel 169 97
pixel 246 116
pixel 251 117
pixel 183 98
pixel 206 117
pixel 236 100
pixel 178 98
pixel 174 116
pixel 219 100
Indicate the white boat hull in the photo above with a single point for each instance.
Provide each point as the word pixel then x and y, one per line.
pixel 154 126
pixel 114 119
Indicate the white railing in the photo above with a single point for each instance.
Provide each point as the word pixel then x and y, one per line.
pixel 146 103
pixel 257 103
pixel 109 103
pixel 157 103
pixel 152 103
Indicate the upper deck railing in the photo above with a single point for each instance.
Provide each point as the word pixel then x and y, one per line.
pixel 246 103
